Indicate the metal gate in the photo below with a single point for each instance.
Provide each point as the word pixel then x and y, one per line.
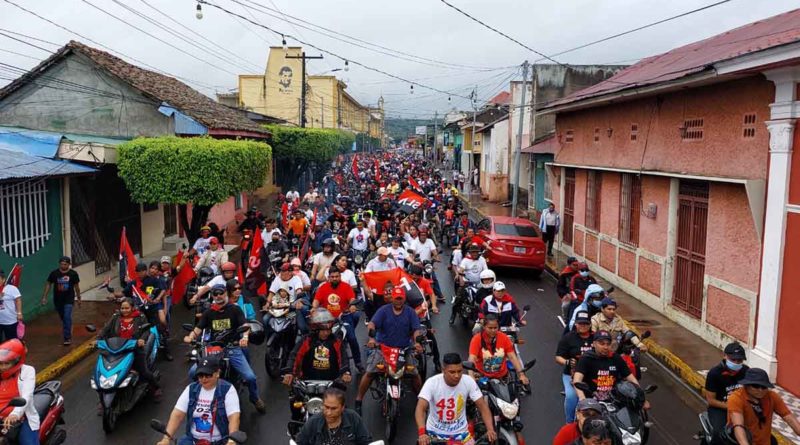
pixel 690 261
pixel 569 205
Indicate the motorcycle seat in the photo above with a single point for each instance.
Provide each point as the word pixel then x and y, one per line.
pixel 44 396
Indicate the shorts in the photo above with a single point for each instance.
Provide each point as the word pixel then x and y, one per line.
pixel 375 357
pixel 464 438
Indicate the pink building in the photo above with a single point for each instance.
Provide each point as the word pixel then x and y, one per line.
pixel 661 176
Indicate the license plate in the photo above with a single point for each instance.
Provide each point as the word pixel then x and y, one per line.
pixel 394 391
pixel 519 250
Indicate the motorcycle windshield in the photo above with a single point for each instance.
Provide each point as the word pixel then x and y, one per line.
pixel 116 344
pixel 500 390
pixel 627 420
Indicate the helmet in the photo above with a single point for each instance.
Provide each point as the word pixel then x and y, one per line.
pixel 257 334
pixel 485 275
pixel 322 319
pixel 228 267
pixel 473 247
pixel 12 351
pixel 295 262
pixel 329 242
pixel 594 289
pixel 205 274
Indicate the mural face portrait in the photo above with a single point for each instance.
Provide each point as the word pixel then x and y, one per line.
pixel 285 78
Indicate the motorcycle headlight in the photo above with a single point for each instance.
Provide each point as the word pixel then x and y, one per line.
pixel 630 438
pixel 126 382
pixel 108 383
pixel 509 410
pixel 314 406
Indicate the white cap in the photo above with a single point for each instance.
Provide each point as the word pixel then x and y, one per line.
pixel 499 285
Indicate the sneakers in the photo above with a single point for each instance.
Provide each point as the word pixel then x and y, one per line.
pixel 67 342
pixel 358 407
pixel 260 406
pixel 360 368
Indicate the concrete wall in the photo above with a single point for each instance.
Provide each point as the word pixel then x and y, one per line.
pixel 61 109
pixel 253 93
pixel 722 106
pixel 152 229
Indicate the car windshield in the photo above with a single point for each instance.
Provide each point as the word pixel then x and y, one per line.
pixel 515 230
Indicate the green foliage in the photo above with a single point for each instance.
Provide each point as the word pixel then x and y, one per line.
pixel 399 129
pixel 366 142
pixel 200 170
pixel 309 144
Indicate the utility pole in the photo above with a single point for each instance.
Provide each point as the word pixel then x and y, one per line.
pixel 435 151
pixel 518 151
pixel 303 107
pixel 474 123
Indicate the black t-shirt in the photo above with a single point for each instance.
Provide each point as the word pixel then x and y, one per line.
pixel 722 381
pixel 602 373
pixel 223 323
pixel 574 346
pixel 64 286
pixel 274 252
pixel 150 288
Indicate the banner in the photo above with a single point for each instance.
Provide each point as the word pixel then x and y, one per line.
pixel 421 130
pixel 410 201
pixel 399 277
pixel 255 283
pixel 414 183
pixel 127 261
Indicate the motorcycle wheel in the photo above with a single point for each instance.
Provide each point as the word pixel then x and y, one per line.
pixel 109 419
pixel 390 428
pixel 422 365
pixel 272 361
pixel 57 437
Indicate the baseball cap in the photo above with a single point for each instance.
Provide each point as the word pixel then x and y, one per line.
pixel 608 301
pixel 398 293
pixel 205 228
pixel 166 259
pixel 735 351
pixel 590 403
pixel 285 267
pixel 218 287
pixel 208 365
pixel 65 259
pixel 602 335
pixel 383 251
pixel 582 317
pixel 499 285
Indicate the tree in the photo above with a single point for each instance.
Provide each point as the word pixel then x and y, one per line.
pixel 298 150
pixel 199 171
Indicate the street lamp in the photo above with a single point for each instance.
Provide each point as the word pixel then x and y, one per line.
pixel 199 13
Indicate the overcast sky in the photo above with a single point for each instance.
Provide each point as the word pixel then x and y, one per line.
pixel 424 28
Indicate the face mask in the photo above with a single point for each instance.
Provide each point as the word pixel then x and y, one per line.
pixel 597 303
pixel 733 366
pixel 585 273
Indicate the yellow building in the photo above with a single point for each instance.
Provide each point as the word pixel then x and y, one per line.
pixel 278 93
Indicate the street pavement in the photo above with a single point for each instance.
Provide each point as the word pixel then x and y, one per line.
pixel 673 412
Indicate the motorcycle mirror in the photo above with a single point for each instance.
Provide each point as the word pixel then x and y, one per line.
pixel 238 436
pixel 610 289
pixel 469 366
pixel 17 402
pixel 187 327
pixel 583 386
pixel 158 426
pixel 243 328
pixel 646 334
pixel 526 308
pixel 530 364
pixel 650 389
pixel 91 328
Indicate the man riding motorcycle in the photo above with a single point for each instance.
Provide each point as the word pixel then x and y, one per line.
pixel 500 302
pixel 601 361
pixel 592 303
pixel 18 380
pixel 421 309
pixel 472 270
pixel 228 273
pixel 339 299
pixel 490 349
pixel 222 320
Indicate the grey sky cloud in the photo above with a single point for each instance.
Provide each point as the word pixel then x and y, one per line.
pixel 425 28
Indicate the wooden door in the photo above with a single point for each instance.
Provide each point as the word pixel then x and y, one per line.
pixel 690 258
pixel 569 205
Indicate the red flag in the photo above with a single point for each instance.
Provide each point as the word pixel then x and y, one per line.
pixel 240 274
pixel 284 214
pixel 181 281
pixel 377 280
pixel 377 172
pixel 14 277
pixel 127 261
pixel 414 183
pixel 254 280
pixel 410 201
pixel 178 257
pixel 355 165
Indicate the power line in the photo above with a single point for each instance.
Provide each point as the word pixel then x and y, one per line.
pixel 18 54
pixel 26 43
pixel 33 38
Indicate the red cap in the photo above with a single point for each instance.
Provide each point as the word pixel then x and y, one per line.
pixel 398 292
pixel 285 267
pixel 213 240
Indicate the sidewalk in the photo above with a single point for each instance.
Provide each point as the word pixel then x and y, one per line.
pixel 684 353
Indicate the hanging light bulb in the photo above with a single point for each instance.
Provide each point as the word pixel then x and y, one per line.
pixel 285 47
pixel 346 65
pixel 412 89
pixel 199 13
pixel 448 98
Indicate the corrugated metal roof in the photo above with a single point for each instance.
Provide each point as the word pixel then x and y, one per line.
pixel 545 146
pixel 19 165
pixel 36 143
pixel 696 57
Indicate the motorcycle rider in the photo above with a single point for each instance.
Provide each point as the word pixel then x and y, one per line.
pixel 471 270
pixel 339 299
pixel 490 348
pixel 607 320
pixel 395 325
pixel 570 349
pixel 322 261
pixel 563 283
pixel 213 257
pixel 358 239
pixel 336 425
pixel 597 432
pixel 601 368
pixel 421 309
pixel 201 244
pixel 587 409
pixel 228 273
pixel 293 285
pixel 382 262
pixel 464 221
pixel 222 320
pixel 502 304
pixel 297 270
pixel 579 282
pixel 274 253
pixel 127 323
pixel 751 408
pixel 18 380
pixel 441 412
pixel 320 234
pixel 398 252
pixel 270 227
pixel 591 304
pixel 298 225
pixel 722 380
pixel 209 394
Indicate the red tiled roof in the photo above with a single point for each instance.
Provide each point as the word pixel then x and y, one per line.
pixel 502 98
pixel 157 86
pixel 695 57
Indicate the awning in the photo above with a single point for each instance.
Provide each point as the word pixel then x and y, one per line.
pixel 18 165
pixel 547 146
pixel 36 143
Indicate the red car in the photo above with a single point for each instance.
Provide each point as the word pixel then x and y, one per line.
pixel 512 242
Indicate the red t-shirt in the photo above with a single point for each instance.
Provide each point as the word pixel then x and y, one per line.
pixel 425 286
pixel 567 435
pixel 491 362
pixel 334 300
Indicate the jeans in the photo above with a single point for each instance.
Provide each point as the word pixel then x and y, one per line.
pixel 570 398
pixel 65 312
pixel 352 320
pixel 8 331
pixel 302 315
pixel 27 436
pixel 239 362
pixel 435 284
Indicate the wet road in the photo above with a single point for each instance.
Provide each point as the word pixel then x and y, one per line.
pixel 673 412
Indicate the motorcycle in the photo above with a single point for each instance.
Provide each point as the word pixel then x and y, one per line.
pixel 117 384
pixel 387 386
pixel 49 404
pixel 238 437
pixel 468 309
pixel 625 410
pixel 357 259
pixel 281 340
pixel 504 403
pixel 630 353
pixel 203 347
pixel 306 400
pixel 204 275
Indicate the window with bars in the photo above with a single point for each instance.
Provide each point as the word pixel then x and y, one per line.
pixel 238 202
pixel 634 132
pixel 24 228
pixel 692 130
pixel 749 126
pixel 630 207
pixel 594 183
pixel 569 136
pixel 596 135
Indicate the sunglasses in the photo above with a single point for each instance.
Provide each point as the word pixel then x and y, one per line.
pixel 204 376
pixel 218 293
pixel 237 288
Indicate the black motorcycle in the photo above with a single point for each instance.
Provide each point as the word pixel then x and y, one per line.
pixel 203 347
pixel 238 437
pixel 469 306
pixel 204 275
pixel 625 410
pixel 306 401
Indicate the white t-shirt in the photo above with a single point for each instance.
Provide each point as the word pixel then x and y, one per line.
pixel 447 405
pixel 424 250
pixel 292 195
pixel 371 225
pixel 360 239
pixel 457 257
pixel 201 245
pixel 399 256
pixel 266 236
pixel 473 268
pixel 303 277
pixel 347 277
pixel 322 262
pixel 295 284
pixel 376 265
pixel 8 309
pixel 202 426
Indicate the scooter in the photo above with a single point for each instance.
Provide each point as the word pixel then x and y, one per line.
pixel 117 384
pixel 306 398
pixel 626 411
pixel 49 403
pixel 238 437
pixel 281 340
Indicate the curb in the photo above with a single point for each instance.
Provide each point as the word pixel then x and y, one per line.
pixel 66 362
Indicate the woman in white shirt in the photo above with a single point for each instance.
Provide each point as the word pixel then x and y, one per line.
pixel 18 380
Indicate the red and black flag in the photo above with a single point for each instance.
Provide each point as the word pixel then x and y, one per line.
pixel 410 201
